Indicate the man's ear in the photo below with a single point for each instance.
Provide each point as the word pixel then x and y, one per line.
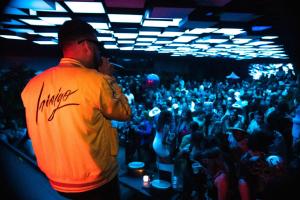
pixel 86 46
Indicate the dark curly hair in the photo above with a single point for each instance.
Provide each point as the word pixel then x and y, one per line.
pixel 165 117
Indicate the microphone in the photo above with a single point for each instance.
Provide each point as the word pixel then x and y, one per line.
pixel 117 65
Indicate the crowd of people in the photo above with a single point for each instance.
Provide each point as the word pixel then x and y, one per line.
pixel 244 134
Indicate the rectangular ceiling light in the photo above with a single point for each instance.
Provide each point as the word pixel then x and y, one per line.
pixel 125 18
pixel 106 39
pixel 85 7
pixel 146 39
pixel 269 37
pixel 14 11
pixel 32 12
pixel 126 48
pixel 41 4
pixel 170 34
pixel 36 22
pixel 22 30
pixel 217 41
pixel 163 51
pixel 163 41
pixel 200 30
pixel 143 44
pixel 104 31
pixel 149 33
pixel 99 25
pixel 161 23
pixel 13 37
pixel 126 35
pixel 110 46
pixel 185 38
pixel 240 40
pixel 150 49
pixel 55 20
pixel 48 34
pixel 270 46
pixel 45 42
pixel 230 31
pixel 58 8
pixel 12 22
pixel 256 43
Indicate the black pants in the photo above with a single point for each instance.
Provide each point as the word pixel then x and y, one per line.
pixel 108 191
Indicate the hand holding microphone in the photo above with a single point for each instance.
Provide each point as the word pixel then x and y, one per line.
pixel 105 66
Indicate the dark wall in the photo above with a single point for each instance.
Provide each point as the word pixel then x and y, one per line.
pixel 201 68
pixel 34 56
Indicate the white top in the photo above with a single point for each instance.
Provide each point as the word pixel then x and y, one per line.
pixel 158 146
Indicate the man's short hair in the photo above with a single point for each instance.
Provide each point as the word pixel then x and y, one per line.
pixel 74 30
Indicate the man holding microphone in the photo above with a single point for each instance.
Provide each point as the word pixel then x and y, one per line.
pixel 69 109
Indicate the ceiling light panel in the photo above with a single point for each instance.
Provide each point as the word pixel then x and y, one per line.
pixel 48 34
pixel 230 31
pixel 257 43
pixel 13 37
pixel 163 42
pixel 45 42
pixel 241 40
pixel 185 38
pixel 200 30
pixel 36 22
pixel 149 33
pixel 217 41
pixel 101 39
pixel 124 18
pixel 32 12
pixel 146 39
pixel 104 31
pixel 110 46
pixel 161 23
pixel 126 35
pixel 126 48
pixel 85 7
pixel 269 37
pixel 13 22
pixel 55 20
pixel 58 8
pixel 14 11
pixel 143 43
pixel 22 30
pixel 99 25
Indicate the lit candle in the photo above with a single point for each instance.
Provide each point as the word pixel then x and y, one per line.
pixel 146 180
